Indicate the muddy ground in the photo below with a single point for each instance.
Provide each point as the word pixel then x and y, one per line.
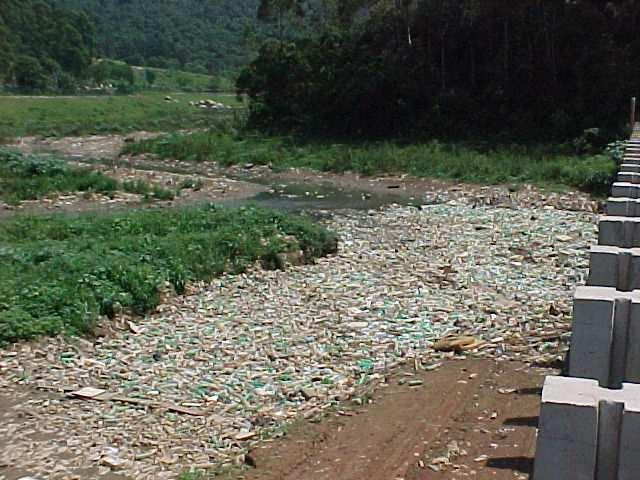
pixel 470 419
pixel 467 419
pixel 290 189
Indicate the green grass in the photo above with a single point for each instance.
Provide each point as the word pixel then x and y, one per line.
pixel 150 191
pixel 31 177
pixel 82 115
pixel 59 274
pixel 171 80
pixel 175 80
pixel 427 159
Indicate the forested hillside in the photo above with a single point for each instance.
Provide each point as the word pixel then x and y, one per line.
pixel 42 47
pixel 453 67
pixel 204 36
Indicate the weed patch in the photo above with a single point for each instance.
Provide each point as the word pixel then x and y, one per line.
pixel 429 159
pixel 30 177
pixel 148 190
pixel 59 274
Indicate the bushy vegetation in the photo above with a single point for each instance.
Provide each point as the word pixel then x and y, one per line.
pixel 192 35
pixel 43 48
pixel 30 177
pixel 99 115
pixel 59 274
pixel 124 78
pixel 450 68
pixel 423 159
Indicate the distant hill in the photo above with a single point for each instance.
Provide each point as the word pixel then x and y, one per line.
pixel 43 47
pixel 204 36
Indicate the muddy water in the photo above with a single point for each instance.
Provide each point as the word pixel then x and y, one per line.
pixel 310 196
pixel 289 195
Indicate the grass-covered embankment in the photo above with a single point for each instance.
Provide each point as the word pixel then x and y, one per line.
pixel 84 115
pixel 31 177
pixel 180 81
pixel 58 274
pixel 423 159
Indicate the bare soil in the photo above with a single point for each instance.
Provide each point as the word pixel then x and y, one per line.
pixel 100 153
pixel 249 180
pixel 470 419
pixel 467 419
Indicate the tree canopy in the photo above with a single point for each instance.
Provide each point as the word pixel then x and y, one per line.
pixel 202 36
pixel 43 47
pixel 379 67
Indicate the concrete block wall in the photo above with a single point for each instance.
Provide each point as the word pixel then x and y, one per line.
pixel 621 232
pixel 614 267
pixel 629 177
pixel 590 420
pixel 604 322
pixel 587 432
pixel 625 190
pixel 623 207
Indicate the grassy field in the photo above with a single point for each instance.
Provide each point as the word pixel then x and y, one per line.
pixel 173 80
pixel 429 159
pixel 59 274
pixel 30 177
pixel 81 115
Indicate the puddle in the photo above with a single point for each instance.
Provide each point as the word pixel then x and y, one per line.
pixel 298 196
pixel 284 195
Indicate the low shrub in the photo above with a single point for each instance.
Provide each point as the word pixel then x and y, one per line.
pixel 433 159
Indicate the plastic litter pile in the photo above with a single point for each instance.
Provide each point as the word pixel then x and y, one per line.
pixel 197 383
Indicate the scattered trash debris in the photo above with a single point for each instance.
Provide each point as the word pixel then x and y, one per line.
pixel 210 105
pixel 457 343
pixel 89 393
pixel 255 351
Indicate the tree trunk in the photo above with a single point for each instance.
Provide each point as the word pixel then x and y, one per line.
pixel 472 66
pixel 443 61
pixel 506 52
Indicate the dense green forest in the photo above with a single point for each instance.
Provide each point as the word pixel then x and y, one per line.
pixel 450 67
pixel 43 47
pixel 202 36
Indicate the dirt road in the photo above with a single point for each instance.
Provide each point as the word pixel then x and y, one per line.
pixel 470 419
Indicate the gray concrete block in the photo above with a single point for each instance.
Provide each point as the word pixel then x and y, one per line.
pixel 567 444
pixel 630 167
pixel 622 207
pixel 587 432
pixel 625 189
pixel 619 231
pixel 628 177
pixel 605 340
pixel 629 444
pixel 614 267
pixel 631 160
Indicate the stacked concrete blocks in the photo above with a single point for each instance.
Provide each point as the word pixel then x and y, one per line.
pixel 604 321
pixel 590 421
pixel 625 192
pixel 623 207
pixel 615 267
pixel 588 432
pixel 623 232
